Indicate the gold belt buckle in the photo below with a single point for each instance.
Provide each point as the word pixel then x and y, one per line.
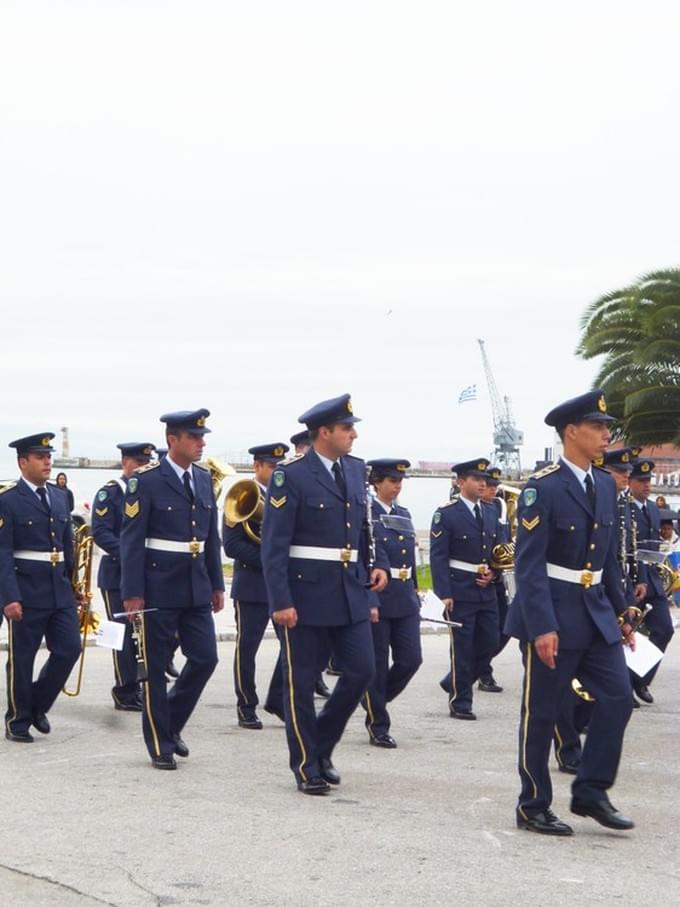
pixel 194 547
pixel 403 574
pixel 345 555
pixel 54 557
pixel 586 579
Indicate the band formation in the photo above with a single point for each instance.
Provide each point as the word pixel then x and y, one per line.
pixel 563 565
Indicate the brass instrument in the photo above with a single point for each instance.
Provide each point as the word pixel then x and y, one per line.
pixel 139 643
pixel 637 618
pixel 81 580
pixel 503 555
pixel 244 503
pixel 218 473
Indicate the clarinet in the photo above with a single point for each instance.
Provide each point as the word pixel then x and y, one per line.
pixel 139 642
pixel 369 525
pixel 623 553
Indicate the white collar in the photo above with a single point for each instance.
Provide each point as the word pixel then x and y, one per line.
pixel 329 464
pixel 386 507
pixel 34 488
pixel 578 472
pixel 470 504
pixel 179 470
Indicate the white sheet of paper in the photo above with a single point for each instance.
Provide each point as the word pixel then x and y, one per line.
pixel 110 634
pixel 432 607
pixel 645 656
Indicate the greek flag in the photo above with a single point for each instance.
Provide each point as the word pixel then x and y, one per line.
pixel 468 393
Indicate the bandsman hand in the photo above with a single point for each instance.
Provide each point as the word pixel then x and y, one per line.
pixel 448 603
pixel 547 646
pixel 217 601
pixel 379 579
pixel 13 611
pixel 375 615
pixel 484 579
pixel 640 592
pixel 628 636
pixel 287 617
pixel 131 605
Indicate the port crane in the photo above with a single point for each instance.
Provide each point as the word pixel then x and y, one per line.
pixel 507 438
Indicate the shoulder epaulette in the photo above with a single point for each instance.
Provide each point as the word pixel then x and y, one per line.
pixel 290 460
pixel 600 468
pixel 200 466
pixel 448 504
pixel 8 487
pixel 111 483
pixel 147 467
pixel 546 471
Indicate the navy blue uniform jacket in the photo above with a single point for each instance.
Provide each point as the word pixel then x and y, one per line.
pixel 107 517
pixel 248 582
pixel 400 598
pixel 304 506
pixel 648 527
pixel 26 525
pixel 159 507
pixel 455 535
pixel 559 527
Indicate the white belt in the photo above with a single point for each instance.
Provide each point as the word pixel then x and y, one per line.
pixel 312 553
pixel 402 573
pixel 585 578
pixel 51 557
pixel 468 568
pixel 194 547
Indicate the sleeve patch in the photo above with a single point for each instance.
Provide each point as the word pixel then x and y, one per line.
pixel 131 510
pixel 529 496
pixel 278 502
pixel 531 524
pixel 101 511
pixel 435 535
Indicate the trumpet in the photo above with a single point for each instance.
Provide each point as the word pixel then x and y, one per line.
pixel 139 643
pixel 244 503
pixel 81 580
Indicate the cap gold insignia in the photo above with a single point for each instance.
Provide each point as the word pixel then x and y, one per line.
pixel 349 406
pixel 147 451
pixel 45 442
pixel 278 451
pixel 645 467
pixel 625 458
pixel 602 404
pixel 635 451
pixel 278 502
pixel 131 510
pixel 598 461
pixel 481 466
pixel 200 422
pixel 530 524
pixel 401 467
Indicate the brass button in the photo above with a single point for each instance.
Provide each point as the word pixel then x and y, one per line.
pixel 347 505
pixel 169 508
pixel 403 550
pixel 193 507
pixel 349 525
pixel 595 525
pixel 51 519
pixel 193 522
pixel 572 528
pixel 589 565
pixel 299 576
pixel 592 545
pixel 401 538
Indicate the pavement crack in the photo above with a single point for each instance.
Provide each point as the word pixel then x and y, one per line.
pixel 142 888
pixel 63 885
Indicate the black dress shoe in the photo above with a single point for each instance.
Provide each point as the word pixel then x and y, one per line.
pixel 314 786
pixel 545 823
pixel 40 722
pixel 165 762
pixel 321 689
pixel 488 685
pixel 130 705
pixel 386 741
pixel 603 812
pixel 636 704
pixel 272 711
pixel 463 715
pixel 569 768
pixel 644 694
pixel 181 749
pixel 171 670
pixel 329 772
pixel 252 723
pixel 19 738
pixel 444 687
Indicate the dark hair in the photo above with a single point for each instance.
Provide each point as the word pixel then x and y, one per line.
pixel 61 474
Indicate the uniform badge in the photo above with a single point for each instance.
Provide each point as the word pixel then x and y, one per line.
pixel 644 467
pixel 131 510
pixel 101 512
pixel 278 502
pixel 133 483
pixel 602 404
pixel 349 407
pixel 437 517
pixel 435 535
pixel 531 524
pixel 529 496
pixel 278 478
pixel 102 495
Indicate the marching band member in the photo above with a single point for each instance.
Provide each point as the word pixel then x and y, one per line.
pixel 487 682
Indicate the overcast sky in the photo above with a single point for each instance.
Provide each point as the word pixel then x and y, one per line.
pixel 254 205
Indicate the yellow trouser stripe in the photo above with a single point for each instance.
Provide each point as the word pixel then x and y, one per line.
pixel 371 716
pixel 10 660
pixel 114 652
pixel 452 652
pixel 560 744
pixel 293 713
pixel 147 692
pixel 525 723
pixel 237 655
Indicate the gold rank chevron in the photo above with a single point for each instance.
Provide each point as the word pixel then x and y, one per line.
pixel 530 524
pixel 435 535
pixel 278 502
pixel 131 510
pixel 103 511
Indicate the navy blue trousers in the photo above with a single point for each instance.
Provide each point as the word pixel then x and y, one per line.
pixel 471 648
pixel 167 711
pixel 572 720
pixel 61 630
pixel 402 636
pixel 251 622
pixel 126 690
pixel 312 737
pixel 601 668
pixel 274 699
pixel 502 600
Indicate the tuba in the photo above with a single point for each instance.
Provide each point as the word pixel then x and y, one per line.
pixel 218 473
pixel 503 555
pixel 244 503
pixel 81 580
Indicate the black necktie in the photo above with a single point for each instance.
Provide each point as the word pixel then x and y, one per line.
pixel 42 494
pixel 187 485
pixel 645 511
pixel 478 516
pixel 339 479
pixel 590 491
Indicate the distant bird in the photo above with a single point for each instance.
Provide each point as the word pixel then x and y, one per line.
pixel 389 311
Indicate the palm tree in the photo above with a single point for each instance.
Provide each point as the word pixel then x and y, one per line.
pixel 637 330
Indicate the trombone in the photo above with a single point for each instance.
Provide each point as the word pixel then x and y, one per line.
pixel 244 503
pixel 81 580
